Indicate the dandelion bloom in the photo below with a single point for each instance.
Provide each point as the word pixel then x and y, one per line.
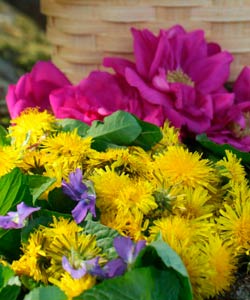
pixel 33 89
pixel 177 72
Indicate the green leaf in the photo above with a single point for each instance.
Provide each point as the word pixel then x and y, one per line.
pixel 149 136
pixel 219 150
pixel 38 184
pixel 69 125
pixel 160 255
pixel 138 284
pixel 60 202
pixel 13 190
pixel 5 274
pixel 104 236
pixel 10 292
pixel 46 293
pixel 4 140
pixel 10 243
pixel 9 284
pixel 120 128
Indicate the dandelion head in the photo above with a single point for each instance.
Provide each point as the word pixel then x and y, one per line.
pixel 34 261
pixel 230 167
pixel 31 127
pixel 179 166
pixel 10 157
pixel 73 287
pixel 233 224
pixel 222 265
pixel 171 137
pixel 69 240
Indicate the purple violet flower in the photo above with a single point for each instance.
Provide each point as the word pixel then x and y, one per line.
pixel 17 219
pixel 126 249
pixel 78 268
pixel 82 192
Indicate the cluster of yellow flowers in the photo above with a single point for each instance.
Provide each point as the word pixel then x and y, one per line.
pixel 201 207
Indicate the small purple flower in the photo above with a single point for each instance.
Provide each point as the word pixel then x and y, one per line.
pixel 82 192
pixel 15 220
pixel 77 268
pixel 126 249
pixel 114 268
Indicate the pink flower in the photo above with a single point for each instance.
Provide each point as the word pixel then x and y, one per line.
pixel 97 96
pixel 178 72
pixel 231 123
pixel 33 89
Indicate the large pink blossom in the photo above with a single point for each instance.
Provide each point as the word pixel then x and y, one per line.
pixel 179 72
pixel 33 89
pixel 95 97
pixel 231 124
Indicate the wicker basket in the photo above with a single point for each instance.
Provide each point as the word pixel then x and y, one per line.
pixel 82 32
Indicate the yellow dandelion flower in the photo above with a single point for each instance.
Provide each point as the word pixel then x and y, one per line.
pixel 233 224
pixel 135 162
pixel 108 184
pixel 179 166
pixel 230 167
pixel 238 190
pixel 34 261
pixel 132 160
pixel 73 287
pixel 222 264
pixel 197 266
pixel 105 158
pixel 177 230
pixel 194 203
pixel 31 127
pixel 171 137
pixel 127 222
pixel 186 238
pixel 33 161
pixel 67 144
pixel 10 157
pixel 137 195
pixel 68 239
pixel 65 152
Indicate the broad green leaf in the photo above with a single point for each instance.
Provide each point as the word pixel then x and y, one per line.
pixel 46 293
pixel 120 128
pixel 69 125
pixel 10 292
pixel 10 243
pixel 13 190
pixel 60 202
pixel 9 284
pixel 169 260
pixel 38 184
pixel 138 284
pixel 5 274
pixel 149 136
pixel 219 150
pixel 4 140
pixel 104 236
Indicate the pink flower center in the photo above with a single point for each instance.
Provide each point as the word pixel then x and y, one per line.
pixel 240 132
pixel 180 77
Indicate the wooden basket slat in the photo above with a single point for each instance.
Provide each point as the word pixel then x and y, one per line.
pixel 227 14
pixel 84 31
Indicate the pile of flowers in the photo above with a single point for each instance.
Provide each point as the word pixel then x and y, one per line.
pixel 132 184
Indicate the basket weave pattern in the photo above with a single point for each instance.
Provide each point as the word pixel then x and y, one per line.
pixel 82 32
